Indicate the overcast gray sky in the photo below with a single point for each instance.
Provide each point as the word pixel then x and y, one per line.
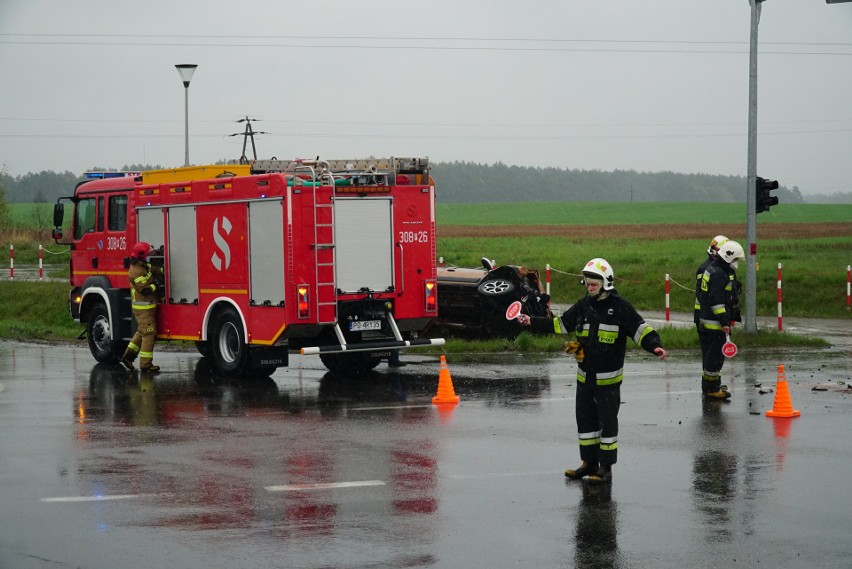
pixel 650 85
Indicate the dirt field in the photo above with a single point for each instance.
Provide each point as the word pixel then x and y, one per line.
pixel 764 230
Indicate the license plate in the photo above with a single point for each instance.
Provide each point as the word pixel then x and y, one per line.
pixel 361 325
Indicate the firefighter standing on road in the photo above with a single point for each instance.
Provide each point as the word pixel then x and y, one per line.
pixel 602 321
pixel 717 301
pixel 715 243
pixel 143 295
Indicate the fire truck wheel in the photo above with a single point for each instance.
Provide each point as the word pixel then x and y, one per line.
pixel 227 342
pixel 103 348
pixel 203 348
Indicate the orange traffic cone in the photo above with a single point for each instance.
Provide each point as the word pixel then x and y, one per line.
pixel 783 406
pixel 446 394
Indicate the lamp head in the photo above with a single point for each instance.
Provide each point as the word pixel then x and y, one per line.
pixel 186 70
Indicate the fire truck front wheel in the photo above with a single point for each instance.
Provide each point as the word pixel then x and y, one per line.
pixel 98 331
pixel 227 342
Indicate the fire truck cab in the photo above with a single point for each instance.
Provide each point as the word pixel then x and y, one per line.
pixel 335 258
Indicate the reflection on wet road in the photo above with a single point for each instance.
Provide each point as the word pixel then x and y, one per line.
pixel 105 468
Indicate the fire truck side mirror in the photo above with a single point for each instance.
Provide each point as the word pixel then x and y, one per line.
pixel 58 216
pixel 57 233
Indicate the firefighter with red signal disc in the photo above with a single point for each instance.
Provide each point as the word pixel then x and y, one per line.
pixel 712 249
pixel 601 321
pixel 717 302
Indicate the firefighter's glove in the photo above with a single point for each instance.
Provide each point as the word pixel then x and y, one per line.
pixel 149 289
pixel 574 347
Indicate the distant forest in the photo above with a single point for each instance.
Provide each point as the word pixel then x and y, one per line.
pixel 468 182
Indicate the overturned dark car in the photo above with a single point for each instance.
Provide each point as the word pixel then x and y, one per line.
pixel 472 303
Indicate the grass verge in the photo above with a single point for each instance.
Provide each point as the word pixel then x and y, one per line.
pixel 38 311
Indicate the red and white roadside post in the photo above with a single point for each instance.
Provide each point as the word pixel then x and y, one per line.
pixel 848 287
pixel 547 279
pixel 668 295
pixel 40 263
pixel 11 262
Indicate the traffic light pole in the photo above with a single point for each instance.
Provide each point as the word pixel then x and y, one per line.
pixel 750 317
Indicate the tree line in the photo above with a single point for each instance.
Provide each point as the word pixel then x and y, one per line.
pixel 468 182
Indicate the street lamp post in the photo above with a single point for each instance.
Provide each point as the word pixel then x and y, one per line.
pixel 186 70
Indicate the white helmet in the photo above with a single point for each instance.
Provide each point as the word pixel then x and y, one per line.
pixel 599 268
pixel 731 252
pixel 715 243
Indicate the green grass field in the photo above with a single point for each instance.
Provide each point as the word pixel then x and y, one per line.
pixel 814 273
pixel 40 216
pixel 813 285
pixel 639 213
pixel 32 215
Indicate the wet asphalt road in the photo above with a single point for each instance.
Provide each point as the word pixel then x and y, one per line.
pixel 105 469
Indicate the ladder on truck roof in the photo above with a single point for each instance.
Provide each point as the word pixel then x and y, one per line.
pixel 342 167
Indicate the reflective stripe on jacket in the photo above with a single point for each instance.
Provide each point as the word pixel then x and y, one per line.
pixel 143 286
pixel 715 295
pixel 602 327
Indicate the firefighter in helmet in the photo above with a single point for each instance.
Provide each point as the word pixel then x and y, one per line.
pixel 143 295
pixel 718 309
pixel 715 243
pixel 602 321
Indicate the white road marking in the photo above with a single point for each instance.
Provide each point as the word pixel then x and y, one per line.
pixel 323 486
pixel 69 499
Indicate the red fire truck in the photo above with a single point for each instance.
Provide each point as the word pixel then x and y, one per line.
pixel 335 258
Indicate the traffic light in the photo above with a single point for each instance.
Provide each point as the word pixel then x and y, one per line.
pixel 762 189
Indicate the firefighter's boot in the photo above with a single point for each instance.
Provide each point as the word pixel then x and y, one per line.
pixel 130 354
pixel 127 360
pixel 584 469
pixel 602 476
pixel 722 394
pixel 148 366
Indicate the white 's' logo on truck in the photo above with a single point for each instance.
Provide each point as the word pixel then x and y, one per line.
pixel 221 243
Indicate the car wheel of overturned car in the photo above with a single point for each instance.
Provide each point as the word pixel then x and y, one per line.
pixel 472 303
pixel 496 287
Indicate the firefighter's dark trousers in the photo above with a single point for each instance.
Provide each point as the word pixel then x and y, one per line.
pixel 142 343
pixel 597 421
pixel 712 359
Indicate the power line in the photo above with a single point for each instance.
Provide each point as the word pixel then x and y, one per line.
pixel 220 37
pixel 529 49
pixel 508 136
pixel 102 121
